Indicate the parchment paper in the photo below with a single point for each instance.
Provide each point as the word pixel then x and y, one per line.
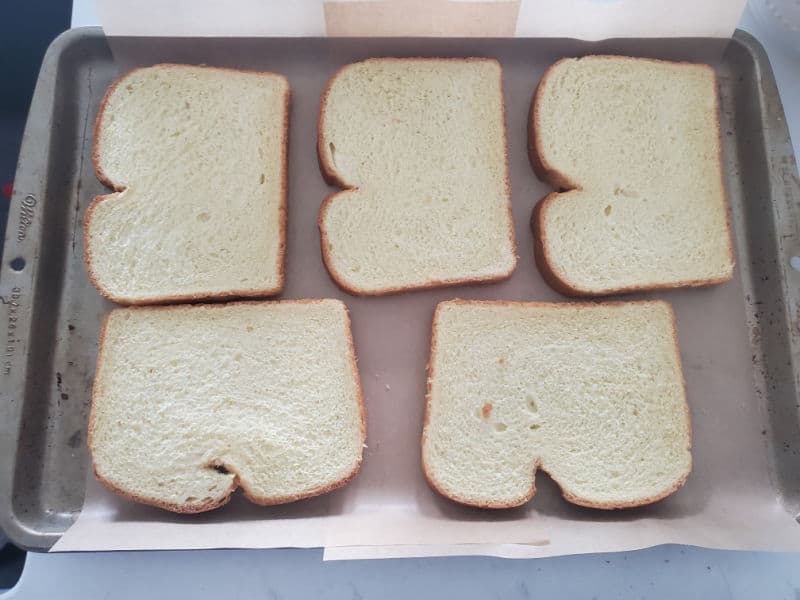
pixel 728 501
pixel 388 510
pixel 582 19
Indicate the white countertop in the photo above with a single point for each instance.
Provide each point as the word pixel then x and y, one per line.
pixel 664 571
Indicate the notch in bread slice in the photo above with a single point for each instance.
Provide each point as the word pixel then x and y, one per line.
pixel 634 147
pixel 191 402
pixel 419 146
pixel 196 157
pixel 593 394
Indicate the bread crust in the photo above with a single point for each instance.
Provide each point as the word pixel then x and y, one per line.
pixel 568 495
pixel 236 482
pixel 547 173
pixel 332 177
pixel 118 188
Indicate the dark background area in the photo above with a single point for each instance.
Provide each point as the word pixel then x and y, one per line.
pixel 28 27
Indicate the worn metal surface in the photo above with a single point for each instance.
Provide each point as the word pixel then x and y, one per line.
pixel 51 315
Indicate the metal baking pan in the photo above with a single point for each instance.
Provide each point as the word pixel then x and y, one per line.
pixel 51 315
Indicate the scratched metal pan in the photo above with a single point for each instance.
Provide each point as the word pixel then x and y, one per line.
pixel 51 315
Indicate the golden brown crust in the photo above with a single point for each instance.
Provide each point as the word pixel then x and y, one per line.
pixel 332 177
pixel 235 482
pixel 568 496
pixel 105 180
pixel 727 208
pixel 679 483
pixel 432 482
pixel 177 508
pixel 329 174
pixel 541 254
pixel 561 181
pixel 539 163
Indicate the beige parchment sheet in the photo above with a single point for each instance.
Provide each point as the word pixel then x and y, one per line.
pixel 388 510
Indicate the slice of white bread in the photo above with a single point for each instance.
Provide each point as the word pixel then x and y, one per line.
pixel 420 147
pixel 636 143
pixel 197 159
pixel 593 394
pixel 190 402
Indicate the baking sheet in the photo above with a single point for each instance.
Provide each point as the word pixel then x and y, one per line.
pixel 742 492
